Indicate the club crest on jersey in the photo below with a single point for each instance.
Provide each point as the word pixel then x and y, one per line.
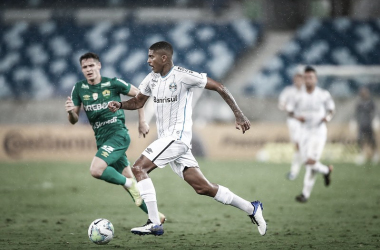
pixel 86 97
pixel 95 96
pixel 173 87
pixel 106 93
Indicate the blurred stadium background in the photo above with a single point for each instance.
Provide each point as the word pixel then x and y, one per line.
pixel 253 47
pixel 48 198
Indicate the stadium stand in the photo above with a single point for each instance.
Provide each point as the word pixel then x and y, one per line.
pixel 40 60
pixel 339 41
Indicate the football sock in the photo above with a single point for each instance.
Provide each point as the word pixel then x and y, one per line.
pixel 148 193
pixel 112 176
pixel 225 196
pixel 143 207
pixel 296 164
pixel 128 182
pixel 309 180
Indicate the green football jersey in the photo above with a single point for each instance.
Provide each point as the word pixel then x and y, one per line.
pixel 95 99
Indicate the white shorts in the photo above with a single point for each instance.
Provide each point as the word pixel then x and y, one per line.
pixel 171 151
pixel 312 144
pixel 294 127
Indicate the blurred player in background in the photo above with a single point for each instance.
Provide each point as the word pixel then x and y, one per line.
pixel 286 96
pixel 112 138
pixel 172 88
pixel 313 107
pixel 365 113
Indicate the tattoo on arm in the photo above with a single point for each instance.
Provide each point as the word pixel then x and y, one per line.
pixel 229 99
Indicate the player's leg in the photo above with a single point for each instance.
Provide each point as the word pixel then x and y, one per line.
pixel 141 168
pixel 122 167
pixel 134 190
pixel 373 145
pixel 296 163
pixel 157 154
pixel 308 184
pixel 195 178
pixel 294 134
pixel 361 158
pixel 109 153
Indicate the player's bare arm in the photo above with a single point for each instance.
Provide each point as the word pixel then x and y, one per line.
pixel 241 120
pixel 328 116
pixel 143 125
pixel 134 103
pixel 72 110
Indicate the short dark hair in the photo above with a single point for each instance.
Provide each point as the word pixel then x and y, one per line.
pixel 310 69
pixel 163 45
pixel 89 55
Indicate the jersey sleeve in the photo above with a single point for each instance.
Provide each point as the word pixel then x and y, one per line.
pixel 75 97
pixel 291 104
pixel 192 79
pixel 123 86
pixel 282 99
pixel 144 87
pixel 329 102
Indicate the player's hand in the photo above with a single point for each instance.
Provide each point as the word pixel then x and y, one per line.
pixel 243 123
pixel 324 120
pixel 69 105
pixel 113 106
pixel 143 129
pixel 301 119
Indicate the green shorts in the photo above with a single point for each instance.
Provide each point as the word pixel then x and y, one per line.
pixel 113 149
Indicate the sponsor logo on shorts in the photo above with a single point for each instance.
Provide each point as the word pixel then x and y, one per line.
pixel 109 149
pixel 105 154
pixel 165 100
pixel 106 84
pixel 101 124
pixel 84 86
pixel 149 150
pixel 86 97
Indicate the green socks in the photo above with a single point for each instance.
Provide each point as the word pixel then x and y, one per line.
pixel 112 176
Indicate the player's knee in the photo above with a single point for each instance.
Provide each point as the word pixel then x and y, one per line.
pixel 96 172
pixel 310 162
pixel 203 190
pixel 139 171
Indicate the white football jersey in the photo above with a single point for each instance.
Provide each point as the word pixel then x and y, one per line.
pixel 313 107
pixel 172 96
pixel 286 96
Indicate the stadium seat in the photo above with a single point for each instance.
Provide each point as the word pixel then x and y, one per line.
pixel 339 41
pixel 41 60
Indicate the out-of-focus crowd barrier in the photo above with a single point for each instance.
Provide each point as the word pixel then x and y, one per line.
pixel 263 142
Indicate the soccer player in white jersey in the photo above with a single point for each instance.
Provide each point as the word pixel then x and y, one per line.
pixel 286 96
pixel 313 107
pixel 172 88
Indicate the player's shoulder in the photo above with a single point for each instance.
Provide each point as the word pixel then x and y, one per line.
pixel 183 71
pixel 151 76
pixel 322 91
pixel 288 89
pixel 82 84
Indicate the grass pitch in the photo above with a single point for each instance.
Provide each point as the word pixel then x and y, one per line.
pixel 51 205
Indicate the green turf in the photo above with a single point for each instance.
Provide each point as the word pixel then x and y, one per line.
pixel 51 205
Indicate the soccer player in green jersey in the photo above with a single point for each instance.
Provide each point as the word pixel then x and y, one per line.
pixel 112 138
